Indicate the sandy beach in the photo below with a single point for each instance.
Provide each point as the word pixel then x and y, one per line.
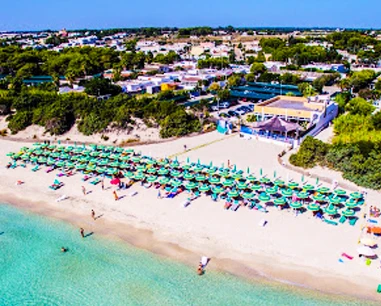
pixel 300 250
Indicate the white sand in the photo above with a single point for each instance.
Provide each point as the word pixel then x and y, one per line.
pixel 299 249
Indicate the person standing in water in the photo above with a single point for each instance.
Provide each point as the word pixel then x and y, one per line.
pixel 93 214
pixel 82 231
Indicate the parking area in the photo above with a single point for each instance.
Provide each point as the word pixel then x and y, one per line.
pixel 237 110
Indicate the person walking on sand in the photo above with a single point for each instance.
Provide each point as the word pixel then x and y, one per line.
pixel 229 163
pixel 82 231
pixel 103 184
pixel 83 190
pixel 93 214
pixel 185 147
pixel 115 196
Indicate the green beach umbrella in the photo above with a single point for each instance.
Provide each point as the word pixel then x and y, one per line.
pixel 348 212
pixel 55 154
pixel 100 170
pixel 264 180
pixel 162 162
pixel 256 187
pixel 151 178
pixel 296 205
pixel 324 190
pixel 150 161
pixel 217 190
pixel 163 171
pixel 335 200
pixel 248 195
pixel 136 159
pixel 251 178
pixel 241 185
pixel 129 174
pixel 340 192
pixel 124 166
pixel 175 173
pixel 237 175
pixel 224 174
pixel 176 183
pixel 174 164
pixel 188 176
pixel 191 185
pixel 151 171
pixel 104 162
pixel 319 198
pixel 114 164
pixel 356 195
pixel 141 167
pixel 271 190
pixel 313 207
pixel 139 176
pixel 233 194
pixel 51 147
pixel 228 183
pixel 104 154
pixel 280 201
pixel 60 163
pixel 331 210
pixel 25 157
pixel 90 167
pixel 308 187
pixel 95 154
pixel 293 185
pixel 198 168
pixel 129 150
pixel 50 162
pixel 287 193
pixel 164 180
pixel 351 203
pixel 278 182
pixel 186 167
pixel 214 180
pixel 264 198
pixel 212 170
pixel 80 167
pixel 302 195
pixel 204 188
pixel 200 178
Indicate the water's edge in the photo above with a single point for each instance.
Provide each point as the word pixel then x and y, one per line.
pixel 146 240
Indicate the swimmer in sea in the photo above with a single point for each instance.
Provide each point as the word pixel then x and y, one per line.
pixel 63 250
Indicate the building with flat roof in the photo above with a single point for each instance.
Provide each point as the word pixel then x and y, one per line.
pixel 288 119
pixel 294 108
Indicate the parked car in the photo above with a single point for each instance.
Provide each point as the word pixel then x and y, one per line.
pixel 224 104
pixel 233 113
pixel 224 115
pixel 240 111
pixel 250 106
pixel 214 108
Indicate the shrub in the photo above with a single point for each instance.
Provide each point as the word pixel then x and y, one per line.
pixel 311 153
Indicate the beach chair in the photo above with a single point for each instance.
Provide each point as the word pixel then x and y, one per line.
pixel 330 222
pixel 23 165
pixel 35 168
pixel 379 288
pixel 261 208
pixel 60 174
pixel 353 221
pixel 234 206
pixel 13 166
pixel 227 205
pixel 96 181
pixel 342 219
pixel 214 197
pixel 85 178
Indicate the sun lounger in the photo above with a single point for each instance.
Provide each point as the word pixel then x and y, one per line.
pixel 56 186
pixel 85 178
pixel 23 165
pixel 262 223
pixel 60 174
pixel 96 181
pixel 347 256
pixel 227 205
pixel 133 193
pixel 261 208
pixel 342 219
pixel 185 203
pixel 379 288
pixel 49 170
pixel 13 166
pixel 372 221
pixel 353 221
pixel 35 169
pixel 62 198
pixel 330 222
pixel 234 207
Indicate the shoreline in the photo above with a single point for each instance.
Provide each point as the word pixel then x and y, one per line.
pixel 252 271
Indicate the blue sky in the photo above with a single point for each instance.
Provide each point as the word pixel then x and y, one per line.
pixel 74 14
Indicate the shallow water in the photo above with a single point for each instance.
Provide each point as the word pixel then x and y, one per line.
pixel 95 271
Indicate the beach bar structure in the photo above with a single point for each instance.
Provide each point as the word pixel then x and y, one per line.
pixel 313 113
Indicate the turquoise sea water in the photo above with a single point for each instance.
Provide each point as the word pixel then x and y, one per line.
pixel 96 271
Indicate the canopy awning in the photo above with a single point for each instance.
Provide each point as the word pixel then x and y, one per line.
pixel 276 124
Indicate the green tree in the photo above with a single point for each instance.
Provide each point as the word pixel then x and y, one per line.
pixel 223 94
pixel 359 106
pixel 258 68
pixel 312 152
pixel 234 80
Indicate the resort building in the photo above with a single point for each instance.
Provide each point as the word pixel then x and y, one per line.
pixel 289 119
